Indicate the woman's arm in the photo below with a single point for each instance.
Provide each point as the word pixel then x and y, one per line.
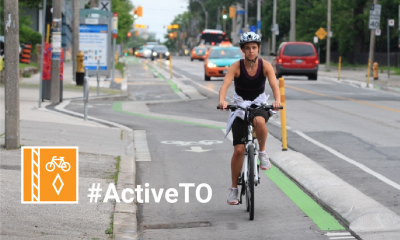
pixel 270 73
pixel 225 85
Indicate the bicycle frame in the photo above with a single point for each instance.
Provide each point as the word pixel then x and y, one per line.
pixel 250 141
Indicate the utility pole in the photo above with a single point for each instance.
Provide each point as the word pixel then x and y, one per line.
pixel 56 53
pixel 93 4
pixel 42 53
pixel 292 37
pixel 328 40
pixel 246 9
pixel 218 17
pixel 273 26
pixel 372 42
pixel 11 36
pixel 75 46
pixel 259 17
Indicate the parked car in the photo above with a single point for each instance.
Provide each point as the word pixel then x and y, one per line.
pixel 199 52
pixel 219 60
pixel 160 49
pixel 296 58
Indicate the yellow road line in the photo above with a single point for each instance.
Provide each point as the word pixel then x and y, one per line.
pixel 342 98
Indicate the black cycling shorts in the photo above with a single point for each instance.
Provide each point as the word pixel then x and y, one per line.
pixel 238 126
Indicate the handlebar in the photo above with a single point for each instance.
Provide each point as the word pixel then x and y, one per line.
pixel 266 107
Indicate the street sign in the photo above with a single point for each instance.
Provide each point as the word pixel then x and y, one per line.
pixel 105 5
pixel 253 28
pixel 114 26
pixel 375 16
pixel 240 11
pixel 377 32
pixel 315 39
pixel 321 33
pixel 391 22
pixel 275 28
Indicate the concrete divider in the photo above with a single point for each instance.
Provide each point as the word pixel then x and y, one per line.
pixel 361 213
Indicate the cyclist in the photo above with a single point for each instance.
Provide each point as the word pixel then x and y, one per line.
pixel 249 76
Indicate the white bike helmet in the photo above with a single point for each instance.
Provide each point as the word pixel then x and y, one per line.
pixel 248 37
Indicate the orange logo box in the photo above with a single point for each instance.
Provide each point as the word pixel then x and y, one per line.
pixel 49 175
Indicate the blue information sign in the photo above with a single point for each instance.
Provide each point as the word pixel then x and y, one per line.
pixel 93 43
pixel 253 28
pixel 240 11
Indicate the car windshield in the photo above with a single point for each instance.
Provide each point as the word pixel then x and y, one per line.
pixel 160 48
pixel 298 50
pixel 225 53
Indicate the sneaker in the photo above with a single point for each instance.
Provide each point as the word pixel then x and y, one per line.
pixel 233 197
pixel 265 164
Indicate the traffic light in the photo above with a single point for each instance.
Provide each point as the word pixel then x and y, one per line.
pixel 232 12
pixel 224 14
pixel 139 11
pixel 173 26
pixel 171 35
pixel 129 34
pixel 135 15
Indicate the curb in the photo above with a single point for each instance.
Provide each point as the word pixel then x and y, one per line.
pixel 125 214
pixel 359 212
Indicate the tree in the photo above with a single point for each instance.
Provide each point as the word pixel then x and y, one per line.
pixel 125 19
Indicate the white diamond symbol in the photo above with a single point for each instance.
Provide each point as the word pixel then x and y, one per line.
pixel 54 184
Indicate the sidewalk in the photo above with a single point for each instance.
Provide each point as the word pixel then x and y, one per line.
pixel 359 77
pixel 103 147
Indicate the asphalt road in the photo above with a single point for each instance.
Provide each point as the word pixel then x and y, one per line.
pixel 351 132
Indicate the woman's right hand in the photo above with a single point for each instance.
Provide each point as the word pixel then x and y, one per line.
pixel 223 105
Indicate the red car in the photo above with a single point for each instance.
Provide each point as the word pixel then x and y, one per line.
pixel 296 58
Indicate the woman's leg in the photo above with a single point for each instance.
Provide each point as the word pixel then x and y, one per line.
pixel 261 131
pixel 236 163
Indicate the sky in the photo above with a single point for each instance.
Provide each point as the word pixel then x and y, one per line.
pixel 159 13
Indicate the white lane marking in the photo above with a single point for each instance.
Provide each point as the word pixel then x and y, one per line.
pixel 201 142
pixel 333 234
pixel 142 152
pixel 351 161
pixel 349 237
pixel 198 149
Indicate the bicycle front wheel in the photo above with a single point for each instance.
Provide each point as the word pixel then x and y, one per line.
pixel 250 182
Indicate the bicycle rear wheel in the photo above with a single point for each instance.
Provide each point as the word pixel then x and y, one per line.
pixel 250 182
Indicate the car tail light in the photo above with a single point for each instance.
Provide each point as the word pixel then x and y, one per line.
pixel 280 60
pixel 213 43
pixel 316 61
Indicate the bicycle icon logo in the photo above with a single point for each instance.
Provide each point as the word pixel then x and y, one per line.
pixel 65 166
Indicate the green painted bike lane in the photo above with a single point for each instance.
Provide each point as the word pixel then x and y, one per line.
pixel 324 220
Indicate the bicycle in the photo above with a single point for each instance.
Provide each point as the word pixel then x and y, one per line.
pixel 249 177
pixel 65 166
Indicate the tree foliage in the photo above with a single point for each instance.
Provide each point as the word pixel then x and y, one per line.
pixel 125 19
pixel 26 34
pixel 349 22
pixel 175 44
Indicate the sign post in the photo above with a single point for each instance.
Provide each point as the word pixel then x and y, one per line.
pixel 390 24
pixel 114 28
pixel 321 34
pixel 374 23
